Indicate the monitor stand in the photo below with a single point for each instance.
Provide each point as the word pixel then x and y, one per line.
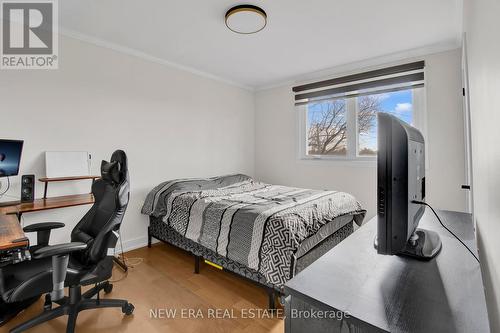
pixel 423 244
pixel 10 203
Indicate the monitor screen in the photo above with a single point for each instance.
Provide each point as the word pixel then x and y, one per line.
pixel 10 157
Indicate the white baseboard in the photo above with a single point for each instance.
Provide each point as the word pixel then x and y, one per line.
pixel 132 244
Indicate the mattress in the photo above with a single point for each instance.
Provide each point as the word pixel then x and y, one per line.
pixel 257 225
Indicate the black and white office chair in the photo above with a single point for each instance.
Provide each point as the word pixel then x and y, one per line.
pixel 87 260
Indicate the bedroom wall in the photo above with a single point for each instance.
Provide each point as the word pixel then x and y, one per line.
pixel 172 123
pixel 483 54
pixel 276 153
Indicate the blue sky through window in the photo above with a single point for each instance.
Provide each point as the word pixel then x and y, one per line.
pixel 398 103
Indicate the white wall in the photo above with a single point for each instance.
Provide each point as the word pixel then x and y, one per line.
pixel 170 122
pixel 482 26
pixel 276 153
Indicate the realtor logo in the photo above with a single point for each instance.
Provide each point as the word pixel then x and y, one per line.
pixel 29 34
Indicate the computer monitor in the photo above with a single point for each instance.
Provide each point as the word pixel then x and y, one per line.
pixel 400 182
pixel 10 157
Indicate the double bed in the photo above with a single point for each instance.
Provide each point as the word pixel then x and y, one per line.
pixel 266 233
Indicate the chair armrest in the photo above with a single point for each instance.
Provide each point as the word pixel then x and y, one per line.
pixel 43 226
pixel 60 259
pixel 43 231
pixel 59 249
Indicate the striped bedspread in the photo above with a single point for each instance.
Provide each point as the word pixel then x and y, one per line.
pixel 256 224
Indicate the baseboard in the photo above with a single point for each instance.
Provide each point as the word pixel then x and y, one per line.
pixel 133 244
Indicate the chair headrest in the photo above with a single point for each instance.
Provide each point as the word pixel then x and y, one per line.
pixel 115 171
pixel 110 172
pixel 120 157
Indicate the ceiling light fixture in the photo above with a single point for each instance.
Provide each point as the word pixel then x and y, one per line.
pixel 246 19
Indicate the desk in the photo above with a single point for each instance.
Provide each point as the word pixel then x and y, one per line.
pixel 11 250
pixel 48 203
pixel 10 230
pixel 393 293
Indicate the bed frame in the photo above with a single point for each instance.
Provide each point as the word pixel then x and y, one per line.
pixel 157 229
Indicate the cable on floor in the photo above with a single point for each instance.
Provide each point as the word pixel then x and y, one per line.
pixel 130 263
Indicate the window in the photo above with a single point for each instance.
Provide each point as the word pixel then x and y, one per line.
pixel 343 126
pixel 398 103
pixel 327 128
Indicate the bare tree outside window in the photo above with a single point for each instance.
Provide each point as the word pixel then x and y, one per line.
pixel 367 119
pixel 327 124
pixel 327 128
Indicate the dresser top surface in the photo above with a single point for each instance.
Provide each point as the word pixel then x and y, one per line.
pixel 396 293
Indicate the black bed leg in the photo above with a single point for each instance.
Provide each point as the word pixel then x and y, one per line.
pixel 149 237
pixel 196 265
pixel 272 299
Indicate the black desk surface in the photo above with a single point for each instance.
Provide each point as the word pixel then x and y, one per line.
pixel 400 294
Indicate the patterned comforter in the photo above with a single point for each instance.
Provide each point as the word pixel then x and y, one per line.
pixel 255 224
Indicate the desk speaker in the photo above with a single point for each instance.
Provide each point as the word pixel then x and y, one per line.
pixel 28 188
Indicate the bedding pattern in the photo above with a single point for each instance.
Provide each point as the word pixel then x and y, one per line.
pixel 255 224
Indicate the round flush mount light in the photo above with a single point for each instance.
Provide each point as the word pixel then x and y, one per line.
pixel 246 19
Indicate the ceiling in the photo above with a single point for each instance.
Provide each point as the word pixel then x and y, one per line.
pixel 301 36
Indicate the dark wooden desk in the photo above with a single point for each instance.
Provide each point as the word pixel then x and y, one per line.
pixel 48 203
pixel 392 293
pixel 10 230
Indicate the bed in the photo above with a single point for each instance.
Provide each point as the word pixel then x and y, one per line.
pixel 266 233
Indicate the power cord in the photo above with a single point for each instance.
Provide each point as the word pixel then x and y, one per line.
pixel 7 189
pixel 451 232
pixel 129 262
pixel 121 246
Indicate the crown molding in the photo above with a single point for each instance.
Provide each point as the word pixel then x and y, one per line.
pixel 299 79
pixel 349 68
pixel 147 57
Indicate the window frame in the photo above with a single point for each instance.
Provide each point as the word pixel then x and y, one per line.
pixel 352 156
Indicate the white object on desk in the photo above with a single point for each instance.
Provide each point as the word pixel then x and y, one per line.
pixel 67 163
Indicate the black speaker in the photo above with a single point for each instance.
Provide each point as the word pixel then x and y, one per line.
pixel 28 188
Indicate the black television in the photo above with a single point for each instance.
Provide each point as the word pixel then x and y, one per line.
pixel 10 157
pixel 400 182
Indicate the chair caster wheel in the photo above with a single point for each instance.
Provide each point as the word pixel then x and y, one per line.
pixel 128 309
pixel 108 288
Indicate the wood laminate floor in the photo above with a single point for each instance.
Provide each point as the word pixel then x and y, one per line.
pixel 165 280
